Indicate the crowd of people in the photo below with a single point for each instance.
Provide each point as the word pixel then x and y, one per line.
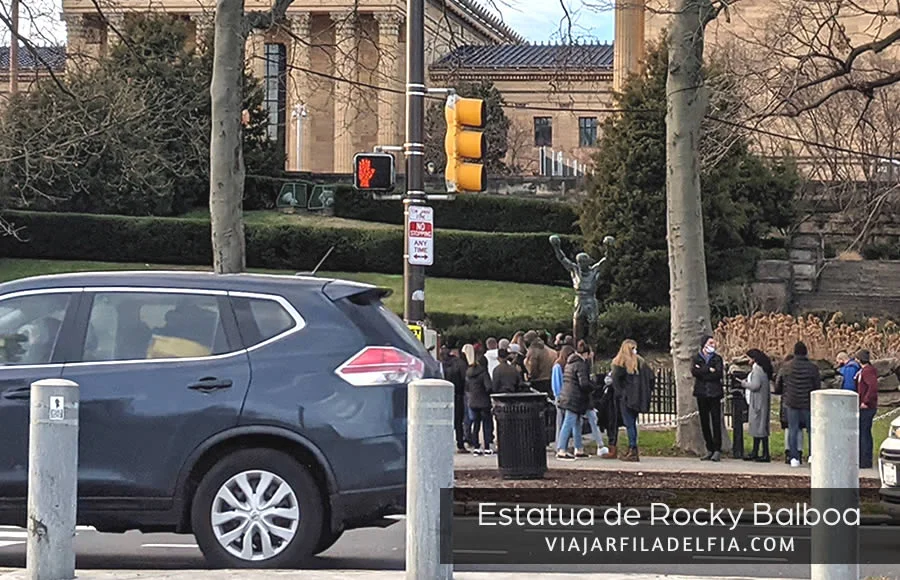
pixel 799 377
pixel 563 370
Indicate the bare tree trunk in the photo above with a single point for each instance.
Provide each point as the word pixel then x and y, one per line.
pixel 226 157
pixel 687 99
pixel 14 49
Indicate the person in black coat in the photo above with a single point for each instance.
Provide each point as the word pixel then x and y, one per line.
pixel 454 370
pixel 574 398
pixel 506 377
pixel 800 378
pixel 708 369
pixel 478 399
pixel 632 380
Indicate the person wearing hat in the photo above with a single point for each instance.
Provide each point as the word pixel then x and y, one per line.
pixel 867 387
pixel 708 370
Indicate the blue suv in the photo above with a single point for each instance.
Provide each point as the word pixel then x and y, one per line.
pixel 263 414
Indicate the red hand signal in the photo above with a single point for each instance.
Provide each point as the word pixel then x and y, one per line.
pixel 366 173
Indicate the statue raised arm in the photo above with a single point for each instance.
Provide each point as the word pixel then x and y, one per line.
pixel 607 241
pixel 568 264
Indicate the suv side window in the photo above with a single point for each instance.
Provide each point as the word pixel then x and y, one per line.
pixel 149 325
pixel 260 319
pixel 29 328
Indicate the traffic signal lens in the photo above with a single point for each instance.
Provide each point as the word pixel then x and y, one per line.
pixel 470 112
pixel 470 144
pixel 471 177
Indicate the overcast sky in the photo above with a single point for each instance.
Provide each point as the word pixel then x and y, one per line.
pixel 536 20
pixel 547 20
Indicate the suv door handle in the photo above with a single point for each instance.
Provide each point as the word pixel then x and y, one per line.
pixel 210 384
pixel 20 393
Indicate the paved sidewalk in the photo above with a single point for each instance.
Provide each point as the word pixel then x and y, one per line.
pixel 7 574
pixel 654 464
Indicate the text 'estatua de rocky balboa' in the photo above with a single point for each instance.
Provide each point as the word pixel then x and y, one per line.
pixel 660 514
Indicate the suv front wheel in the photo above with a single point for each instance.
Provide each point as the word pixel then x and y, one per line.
pixel 257 508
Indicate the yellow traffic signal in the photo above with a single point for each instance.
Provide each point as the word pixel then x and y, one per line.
pixel 463 142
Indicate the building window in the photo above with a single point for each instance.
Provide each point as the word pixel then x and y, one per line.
pixel 587 131
pixel 543 132
pixel 276 91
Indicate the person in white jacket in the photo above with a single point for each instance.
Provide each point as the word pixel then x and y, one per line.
pixel 491 354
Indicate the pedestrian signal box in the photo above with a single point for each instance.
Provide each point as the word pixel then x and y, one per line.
pixel 373 172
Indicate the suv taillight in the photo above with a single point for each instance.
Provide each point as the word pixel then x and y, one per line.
pixel 381 365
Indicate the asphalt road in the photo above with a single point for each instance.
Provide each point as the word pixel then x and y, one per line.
pixel 367 549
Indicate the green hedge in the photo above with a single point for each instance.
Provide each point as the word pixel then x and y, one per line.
pixel 457 329
pixel 480 213
pixel 650 329
pixel 182 241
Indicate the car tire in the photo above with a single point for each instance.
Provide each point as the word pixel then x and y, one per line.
pixel 282 535
pixel 327 540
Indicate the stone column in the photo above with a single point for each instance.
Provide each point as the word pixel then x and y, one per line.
pixel 390 103
pixel 75 36
pixel 114 20
pixel 628 46
pixel 345 58
pixel 299 91
pixel 204 25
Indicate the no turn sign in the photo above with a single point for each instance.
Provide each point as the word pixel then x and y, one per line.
pixel 420 233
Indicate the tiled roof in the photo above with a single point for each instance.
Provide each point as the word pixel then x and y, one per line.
pixel 529 56
pixel 54 56
pixel 481 13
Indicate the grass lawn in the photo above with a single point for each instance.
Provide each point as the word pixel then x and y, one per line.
pixel 472 297
pixel 662 442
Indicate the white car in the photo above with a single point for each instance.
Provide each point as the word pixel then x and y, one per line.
pixel 888 463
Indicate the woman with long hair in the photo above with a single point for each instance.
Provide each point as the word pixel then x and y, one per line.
pixel 574 398
pixel 626 380
pixel 468 357
pixel 556 383
pixel 759 400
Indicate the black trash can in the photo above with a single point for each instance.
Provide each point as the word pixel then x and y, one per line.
pixel 521 434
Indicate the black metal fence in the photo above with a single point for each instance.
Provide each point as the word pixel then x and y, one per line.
pixel 664 401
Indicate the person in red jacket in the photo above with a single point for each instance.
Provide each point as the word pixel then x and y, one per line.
pixel 867 387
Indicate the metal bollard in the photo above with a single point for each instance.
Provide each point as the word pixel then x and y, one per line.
pixel 429 468
pixel 52 480
pixel 834 442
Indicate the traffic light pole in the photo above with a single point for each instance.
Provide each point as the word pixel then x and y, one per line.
pixel 414 148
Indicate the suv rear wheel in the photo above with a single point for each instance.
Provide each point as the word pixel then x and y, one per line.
pixel 257 508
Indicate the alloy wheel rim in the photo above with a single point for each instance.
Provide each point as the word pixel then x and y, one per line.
pixel 255 515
